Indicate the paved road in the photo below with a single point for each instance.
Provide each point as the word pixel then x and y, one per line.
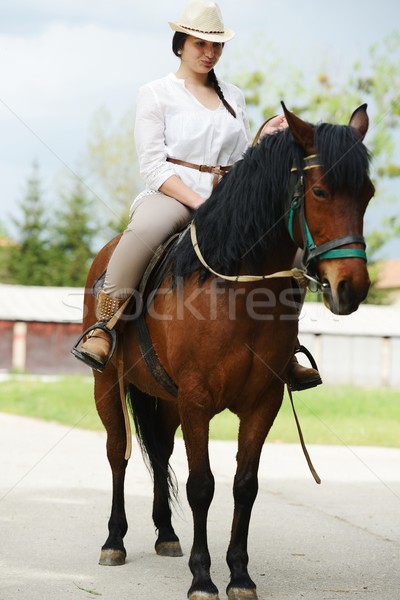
pixel 339 540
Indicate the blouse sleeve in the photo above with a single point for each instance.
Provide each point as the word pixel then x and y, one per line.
pixel 150 139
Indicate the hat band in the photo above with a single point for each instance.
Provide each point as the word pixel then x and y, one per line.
pixel 199 30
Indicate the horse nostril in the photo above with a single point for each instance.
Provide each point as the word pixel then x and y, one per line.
pixel 348 300
pixel 344 290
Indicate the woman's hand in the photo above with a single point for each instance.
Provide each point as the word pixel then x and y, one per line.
pixel 273 125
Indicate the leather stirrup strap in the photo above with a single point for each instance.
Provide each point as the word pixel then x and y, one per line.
pixel 122 393
pixel 302 442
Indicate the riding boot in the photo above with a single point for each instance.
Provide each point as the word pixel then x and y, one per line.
pixel 302 378
pixel 98 344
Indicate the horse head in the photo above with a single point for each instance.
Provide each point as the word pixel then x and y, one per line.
pixel 329 195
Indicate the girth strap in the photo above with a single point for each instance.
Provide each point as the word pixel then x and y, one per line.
pixel 150 357
pixel 302 442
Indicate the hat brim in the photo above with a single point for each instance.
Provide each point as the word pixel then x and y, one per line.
pixel 227 34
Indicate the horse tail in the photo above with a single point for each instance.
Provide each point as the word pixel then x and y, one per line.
pixel 151 438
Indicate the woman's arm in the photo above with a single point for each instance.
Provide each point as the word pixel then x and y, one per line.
pixel 175 188
pixel 150 139
pixel 150 146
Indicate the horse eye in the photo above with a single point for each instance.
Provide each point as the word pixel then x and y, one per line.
pixel 320 193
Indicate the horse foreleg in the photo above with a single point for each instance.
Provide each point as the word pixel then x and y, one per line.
pixel 252 433
pixel 200 492
pixel 108 405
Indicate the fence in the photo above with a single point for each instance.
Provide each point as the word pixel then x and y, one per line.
pixel 38 326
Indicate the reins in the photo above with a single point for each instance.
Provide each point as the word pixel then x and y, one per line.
pixel 298 274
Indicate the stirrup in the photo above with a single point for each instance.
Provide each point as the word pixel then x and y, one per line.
pixel 88 360
pixel 298 387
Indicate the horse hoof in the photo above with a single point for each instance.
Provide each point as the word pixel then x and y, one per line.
pixel 112 558
pixel 169 549
pixel 202 596
pixel 242 594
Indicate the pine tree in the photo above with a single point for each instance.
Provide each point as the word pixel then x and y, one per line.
pixel 28 259
pixel 73 235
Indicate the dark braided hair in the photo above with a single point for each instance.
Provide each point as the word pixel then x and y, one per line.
pixel 178 42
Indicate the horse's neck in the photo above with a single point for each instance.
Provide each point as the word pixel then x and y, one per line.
pixel 281 257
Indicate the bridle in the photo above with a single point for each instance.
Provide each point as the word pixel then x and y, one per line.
pixel 306 275
pixel 311 252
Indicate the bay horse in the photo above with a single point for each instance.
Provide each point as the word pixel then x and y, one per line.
pixel 224 334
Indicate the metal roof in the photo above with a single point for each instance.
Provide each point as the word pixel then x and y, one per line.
pixel 43 304
pixel 64 305
pixel 389 274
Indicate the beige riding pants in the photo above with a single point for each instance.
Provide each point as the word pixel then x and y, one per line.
pixel 153 219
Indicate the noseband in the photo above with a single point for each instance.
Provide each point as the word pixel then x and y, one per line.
pixel 311 252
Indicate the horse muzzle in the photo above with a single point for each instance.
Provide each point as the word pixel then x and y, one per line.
pixel 345 285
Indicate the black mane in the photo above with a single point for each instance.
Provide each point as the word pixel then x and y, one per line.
pixel 245 215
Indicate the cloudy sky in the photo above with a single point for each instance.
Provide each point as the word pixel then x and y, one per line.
pixel 62 60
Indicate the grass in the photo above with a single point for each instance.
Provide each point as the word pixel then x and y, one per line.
pixel 328 414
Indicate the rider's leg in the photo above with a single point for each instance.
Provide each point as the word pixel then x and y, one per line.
pixel 153 219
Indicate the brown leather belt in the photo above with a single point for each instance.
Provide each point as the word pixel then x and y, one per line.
pixel 217 170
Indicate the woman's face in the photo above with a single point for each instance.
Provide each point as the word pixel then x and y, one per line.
pixel 200 55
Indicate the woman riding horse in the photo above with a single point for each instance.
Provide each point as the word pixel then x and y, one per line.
pixel 305 187
pixel 184 122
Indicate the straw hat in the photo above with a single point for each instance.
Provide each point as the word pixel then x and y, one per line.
pixel 203 20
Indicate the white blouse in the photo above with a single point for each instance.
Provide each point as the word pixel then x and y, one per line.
pixel 170 121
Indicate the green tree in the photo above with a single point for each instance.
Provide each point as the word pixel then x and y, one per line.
pixel 112 169
pixel 5 247
pixel 73 234
pixel 375 80
pixel 28 258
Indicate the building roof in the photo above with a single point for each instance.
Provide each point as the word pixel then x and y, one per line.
pixel 43 304
pixel 64 305
pixel 389 275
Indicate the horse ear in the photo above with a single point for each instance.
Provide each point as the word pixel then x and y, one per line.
pixel 359 121
pixel 302 132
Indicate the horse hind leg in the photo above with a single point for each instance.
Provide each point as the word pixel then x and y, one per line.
pixel 156 422
pixel 108 405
